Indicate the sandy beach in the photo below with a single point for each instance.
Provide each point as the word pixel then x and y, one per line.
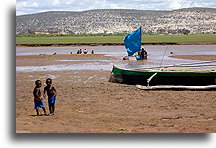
pixel 88 103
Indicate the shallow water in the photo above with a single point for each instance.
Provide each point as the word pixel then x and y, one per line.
pixel 154 59
pixel 86 66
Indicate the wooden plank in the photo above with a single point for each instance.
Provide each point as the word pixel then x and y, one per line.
pixel 180 87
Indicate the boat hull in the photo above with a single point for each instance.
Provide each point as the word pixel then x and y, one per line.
pixel 188 78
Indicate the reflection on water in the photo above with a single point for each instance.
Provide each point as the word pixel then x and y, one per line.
pixel 155 55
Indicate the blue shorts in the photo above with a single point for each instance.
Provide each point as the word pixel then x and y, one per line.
pixel 51 100
pixel 38 104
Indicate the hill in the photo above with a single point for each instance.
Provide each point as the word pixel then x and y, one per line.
pixel 188 20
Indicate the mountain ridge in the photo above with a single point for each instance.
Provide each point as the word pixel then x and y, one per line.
pixel 185 20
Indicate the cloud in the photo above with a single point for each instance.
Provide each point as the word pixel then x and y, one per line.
pixel 69 2
pixel 36 6
pixel 177 4
pixel 205 3
pixel 26 7
pixel 56 3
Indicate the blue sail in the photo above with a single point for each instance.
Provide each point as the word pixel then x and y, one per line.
pixel 133 42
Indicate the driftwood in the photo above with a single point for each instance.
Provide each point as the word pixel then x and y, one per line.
pixel 180 87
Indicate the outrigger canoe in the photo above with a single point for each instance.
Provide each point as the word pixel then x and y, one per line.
pixel 163 77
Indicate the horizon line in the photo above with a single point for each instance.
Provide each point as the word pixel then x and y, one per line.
pixel 111 9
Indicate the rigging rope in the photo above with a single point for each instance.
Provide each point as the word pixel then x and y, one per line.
pixel 195 64
pixel 172 36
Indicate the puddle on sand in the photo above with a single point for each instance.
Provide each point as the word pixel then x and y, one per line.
pixel 86 66
pixel 97 66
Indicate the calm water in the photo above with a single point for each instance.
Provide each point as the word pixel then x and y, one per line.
pixel 154 59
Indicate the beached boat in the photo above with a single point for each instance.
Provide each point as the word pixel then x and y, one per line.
pixel 163 77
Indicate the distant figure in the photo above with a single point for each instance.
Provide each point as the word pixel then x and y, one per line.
pixel 80 51
pixel 38 100
pixel 51 93
pixel 126 58
pixel 143 54
pixel 54 53
pixel 85 51
pixel 71 52
pixel 92 52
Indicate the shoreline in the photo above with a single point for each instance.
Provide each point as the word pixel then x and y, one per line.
pixel 109 44
pixel 97 56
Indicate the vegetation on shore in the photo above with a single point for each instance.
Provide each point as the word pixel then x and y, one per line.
pixel 110 39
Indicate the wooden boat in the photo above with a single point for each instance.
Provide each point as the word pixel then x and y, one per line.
pixel 163 77
pixel 171 78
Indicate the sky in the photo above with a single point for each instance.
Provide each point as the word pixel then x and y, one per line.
pixel 36 6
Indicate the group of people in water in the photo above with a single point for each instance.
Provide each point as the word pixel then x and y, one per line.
pixel 79 51
pixel 85 51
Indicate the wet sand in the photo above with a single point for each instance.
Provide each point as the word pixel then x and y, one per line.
pixel 196 57
pixel 88 103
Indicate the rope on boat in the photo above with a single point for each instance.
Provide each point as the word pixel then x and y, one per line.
pixel 173 36
pixel 149 79
pixel 197 64
pixel 187 66
pixel 160 68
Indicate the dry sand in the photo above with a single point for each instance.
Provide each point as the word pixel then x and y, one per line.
pixel 88 103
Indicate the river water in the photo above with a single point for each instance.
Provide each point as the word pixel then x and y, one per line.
pixel 156 55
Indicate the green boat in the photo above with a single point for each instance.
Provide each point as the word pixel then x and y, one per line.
pixel 163 77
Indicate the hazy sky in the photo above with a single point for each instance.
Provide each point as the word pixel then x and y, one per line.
pixel 36 6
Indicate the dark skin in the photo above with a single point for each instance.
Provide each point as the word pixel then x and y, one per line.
pixel 37 94
pixel 51 91
pixel 143 54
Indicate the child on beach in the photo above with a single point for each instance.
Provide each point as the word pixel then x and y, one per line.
pixel 51 93
pixel 38 100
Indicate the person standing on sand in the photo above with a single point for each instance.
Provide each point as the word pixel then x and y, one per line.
pixel 51 93
pixel 38 100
